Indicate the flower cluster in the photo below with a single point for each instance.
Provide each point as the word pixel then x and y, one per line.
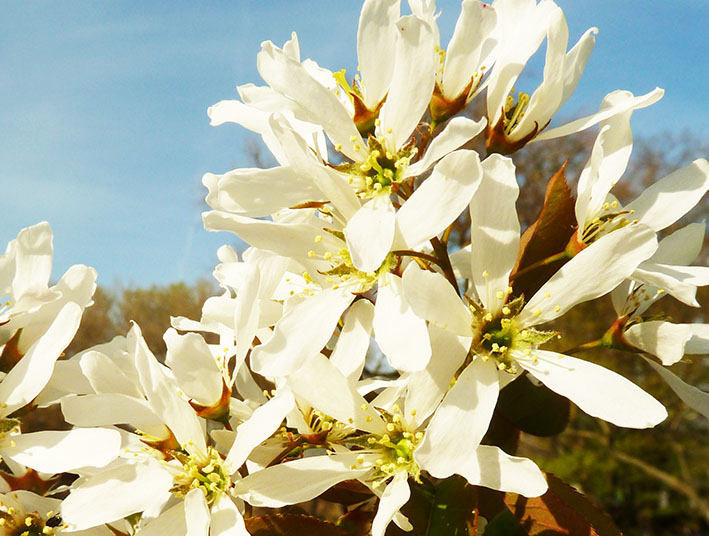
pixel 265 400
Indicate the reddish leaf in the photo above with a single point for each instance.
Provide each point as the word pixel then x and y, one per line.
pixel 358 521
pixel 347 492
pixel 292 525
pixel 546 237
pixel 562 511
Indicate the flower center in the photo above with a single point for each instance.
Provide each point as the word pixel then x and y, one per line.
pixel 499 337
pixel 210 475
pixel 607 222
pixel 344 271
pixel 16 523
pixel 514 110
pixel 380 169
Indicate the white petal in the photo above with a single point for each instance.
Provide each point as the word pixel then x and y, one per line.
pixel 309 168
pixel 194 366
pixel 609 159
pixel 105 376
pixel 302 331
pixel 699 343
pixel 426 388
pixel 696 399
pixel 226 519
pixel 400 334
pixel 286 239
pixel 440 199
pixel 33 260
pixel 370 233
pixel 595 271
pixel 457 132
pixel 472 38
pixel 395 496
pixel 546 99
pixel 137 485
pixel 298 480
pixel 264 421
pixel 678 281
pixel 171 521
pixel 681 247
pixel 197 515
pixel 320 105
pixel 258 192
pixel 164 396
pixel 664 202
pixel 494 230
pixel 324 387
pixel 631 103
pixel 596 390
pixel 351 349
pixel 460 422
pixel 376 43
pixel 411 84
pixel 663 339
pixel 32 372
pixel 64 451
pixel 433 298
pixel 493 468
pixel 107 409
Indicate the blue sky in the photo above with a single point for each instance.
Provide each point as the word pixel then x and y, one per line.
pixel 104 131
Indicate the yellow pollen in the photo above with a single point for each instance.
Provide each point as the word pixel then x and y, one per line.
pixel 338 147
pixel 486 273
pixel 353 139
pixel 389 130
pixel 391 427
pixel 500 295
pixel 318 238
pixel 368 418
pixel 537 312
pixel 557 308
pixel 505 310
pixel 488 317
pixel 364 407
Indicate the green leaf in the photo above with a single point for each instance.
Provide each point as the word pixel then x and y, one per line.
pixel 292 525
pixel 534 409
pixel 504 524
pixel 546 237
pixel 560 511
pixel 449 509
pixel 455 511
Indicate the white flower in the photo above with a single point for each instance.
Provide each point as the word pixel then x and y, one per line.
pixel 386 440
pixel 178 481
pixel 502 331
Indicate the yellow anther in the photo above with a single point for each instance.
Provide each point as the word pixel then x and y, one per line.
pixel 500 295
pixel 391 427
pixel 368 418
pixel 360 459
pixel 353 138
pixel 311 254
pixel 389 130
pixel 486 273
pixel 412 412
pixel 338 147
pixel 395 408
pixel 537 312
pixel 505 311
pixel 488 317
pixel 317 239
pixel 356 147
